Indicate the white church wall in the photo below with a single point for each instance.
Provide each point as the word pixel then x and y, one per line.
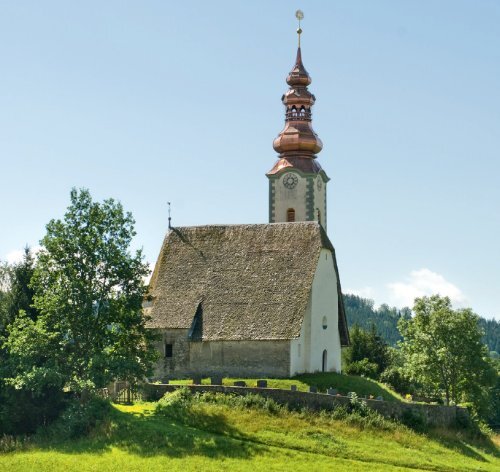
pixel 306 352
pixel 324 304
pixel 300 347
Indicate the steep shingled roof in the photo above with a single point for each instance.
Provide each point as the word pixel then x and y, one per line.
pixel 252 281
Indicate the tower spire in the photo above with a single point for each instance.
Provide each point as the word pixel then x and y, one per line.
pixel 298 139
pixel 300 16
pixel 297 183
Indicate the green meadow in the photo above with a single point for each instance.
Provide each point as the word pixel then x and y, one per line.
pixel 217 432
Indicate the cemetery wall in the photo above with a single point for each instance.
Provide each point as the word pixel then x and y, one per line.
pixel 434 415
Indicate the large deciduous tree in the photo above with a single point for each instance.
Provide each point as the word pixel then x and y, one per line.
pixel 442 349
pixel 89 289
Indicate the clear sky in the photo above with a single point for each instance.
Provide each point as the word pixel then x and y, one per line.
pixel 156 101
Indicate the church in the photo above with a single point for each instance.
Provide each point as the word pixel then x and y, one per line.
pixel 257 300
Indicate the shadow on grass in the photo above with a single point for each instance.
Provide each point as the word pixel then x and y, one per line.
pixel 347 383
pixel 191 434
pixel 452 439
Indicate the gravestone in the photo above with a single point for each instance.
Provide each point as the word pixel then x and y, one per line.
pixel 331 391
pixel 240 383
pixel 216 380
pixel 380 398
pixel 293 388
pixel 261 383
pixel 313 389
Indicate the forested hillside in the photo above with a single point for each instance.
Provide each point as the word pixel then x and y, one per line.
pixel 361 311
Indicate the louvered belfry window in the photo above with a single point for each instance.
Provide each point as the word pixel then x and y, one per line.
pixel 290 215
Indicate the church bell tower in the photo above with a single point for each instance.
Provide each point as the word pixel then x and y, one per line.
pixel 297 183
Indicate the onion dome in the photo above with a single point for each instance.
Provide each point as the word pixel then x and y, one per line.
pixel 298 139
pixel 298 76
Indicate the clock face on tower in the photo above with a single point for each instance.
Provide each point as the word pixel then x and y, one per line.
pixel 290 180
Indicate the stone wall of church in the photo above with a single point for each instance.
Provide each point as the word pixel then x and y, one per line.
pixel 176 365
pixel 241 358
pixel 226 358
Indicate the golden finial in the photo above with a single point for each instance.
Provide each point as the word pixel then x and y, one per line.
pixel 299 14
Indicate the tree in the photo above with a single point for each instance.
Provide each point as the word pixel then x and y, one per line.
pixel 368 352
pixel 442 349
pixel 88 290
pixel 5 295
pixel 21 290
pixel 361 311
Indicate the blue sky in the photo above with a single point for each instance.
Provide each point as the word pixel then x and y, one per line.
pixel 155 101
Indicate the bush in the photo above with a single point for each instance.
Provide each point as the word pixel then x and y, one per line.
pixel 357 414
pixel 244 401
pixel 363 368
pixel 80 418
pixel 23 412
pixel 10 443
pixel 414 420
pixel 174 404
pixel 397 380
pixel 368 345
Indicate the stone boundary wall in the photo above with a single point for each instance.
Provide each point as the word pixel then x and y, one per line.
pixel 433 415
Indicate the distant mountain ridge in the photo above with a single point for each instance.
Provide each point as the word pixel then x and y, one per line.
pixel 361 311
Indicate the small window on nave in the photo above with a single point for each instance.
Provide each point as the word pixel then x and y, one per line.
pixel 290 215
pixel 168 350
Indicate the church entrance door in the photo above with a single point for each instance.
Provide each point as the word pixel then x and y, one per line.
pixel 323 365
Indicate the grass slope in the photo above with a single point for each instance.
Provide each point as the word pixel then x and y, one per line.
pixel 216 436
pixel 343 383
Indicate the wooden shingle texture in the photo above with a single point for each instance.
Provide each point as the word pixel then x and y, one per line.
pixel 247 282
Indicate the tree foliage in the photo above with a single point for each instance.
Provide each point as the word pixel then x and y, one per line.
pixel 5 295
pixel 361 311
pixel 491 338
pixel 22 292
pixel 88 290
pixel 368 353
pixel 442 348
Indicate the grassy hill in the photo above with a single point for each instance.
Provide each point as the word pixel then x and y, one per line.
pixel 217 432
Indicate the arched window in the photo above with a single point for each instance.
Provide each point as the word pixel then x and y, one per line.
pixel 290 215
pixel 319 214
pixel 324 366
